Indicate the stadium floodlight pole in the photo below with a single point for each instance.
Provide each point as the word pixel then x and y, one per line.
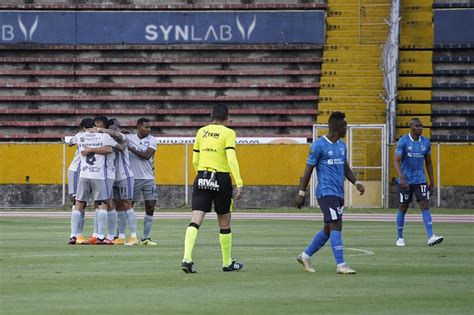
pixel 390 65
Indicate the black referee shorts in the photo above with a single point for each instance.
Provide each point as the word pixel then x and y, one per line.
pixel 212 187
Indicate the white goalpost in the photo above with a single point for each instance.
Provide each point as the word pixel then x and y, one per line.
pixel 367 154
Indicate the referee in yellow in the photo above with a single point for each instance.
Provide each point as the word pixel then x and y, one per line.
pixel 213 159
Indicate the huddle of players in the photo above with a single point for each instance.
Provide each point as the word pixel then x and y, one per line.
pixel 114 169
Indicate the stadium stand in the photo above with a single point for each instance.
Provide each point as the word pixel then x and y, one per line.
pixel 453 85
pixel 273 89
pixel 46 89
pixel 415 70
pixel 351 79
pixel 435 79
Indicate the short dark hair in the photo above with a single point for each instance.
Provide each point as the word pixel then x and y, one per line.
pixel 220 112
pixel 141 121
pixel 87 123
pixel 335 119
pixel 114 124
pixel 103 119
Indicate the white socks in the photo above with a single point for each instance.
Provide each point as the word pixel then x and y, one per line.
pixel 101 222
pixel 132 221
pixel 75 222
pixel 111 223
pixel 121 223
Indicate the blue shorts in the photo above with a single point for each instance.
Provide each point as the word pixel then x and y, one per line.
pixel 332 208
pixel 420 191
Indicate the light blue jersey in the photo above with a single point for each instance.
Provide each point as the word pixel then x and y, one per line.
pixel 329 159
pixel 413 157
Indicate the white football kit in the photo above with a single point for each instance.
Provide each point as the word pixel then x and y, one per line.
pixel 124 179
pixel 142 169
pixel 94 168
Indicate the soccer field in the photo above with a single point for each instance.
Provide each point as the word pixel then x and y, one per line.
pixel 41 274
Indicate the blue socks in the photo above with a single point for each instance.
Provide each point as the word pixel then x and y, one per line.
pixel 336 244
pixel 428 222
pixel 321 238
pixel 400 223
pixel 318 241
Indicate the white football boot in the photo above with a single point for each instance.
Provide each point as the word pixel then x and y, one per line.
pixel 433 240
pixel 306 262
pixel 400 242
pixel 345 270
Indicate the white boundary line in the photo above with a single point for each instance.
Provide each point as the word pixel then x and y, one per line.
pixel 363 252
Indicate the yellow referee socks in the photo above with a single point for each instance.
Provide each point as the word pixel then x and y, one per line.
pixel 189 241
pixel 225 238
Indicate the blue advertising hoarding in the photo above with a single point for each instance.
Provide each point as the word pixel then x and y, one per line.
pixel 163 27
pixel 454 26
pixel 37 27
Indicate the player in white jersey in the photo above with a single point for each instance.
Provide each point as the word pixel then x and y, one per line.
pixel 143 147
pixel 123 191
pixel 92 181
pixel 120 205
pixel 101 125
pixel 74 169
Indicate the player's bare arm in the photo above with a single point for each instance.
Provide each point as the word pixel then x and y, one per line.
pixel 351 177
pixel 429 169
pixel 117 135
pixel 238 193
pixel 146 155
pixel 403 180
pixel 304 183
pixel 121 146
pixel 100 150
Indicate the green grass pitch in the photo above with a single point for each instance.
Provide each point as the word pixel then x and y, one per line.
pixel 40 274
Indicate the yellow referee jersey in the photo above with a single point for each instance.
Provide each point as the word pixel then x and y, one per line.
pixel 214 150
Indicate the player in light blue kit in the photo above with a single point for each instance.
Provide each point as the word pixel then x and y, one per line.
pixel 412 153
pixel 329 155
